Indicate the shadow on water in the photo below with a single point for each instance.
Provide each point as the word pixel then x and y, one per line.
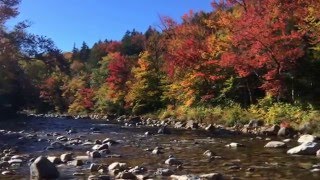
pixel 250 162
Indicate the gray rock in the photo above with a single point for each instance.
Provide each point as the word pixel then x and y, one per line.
pixel 93 167
pixel 66 157
pixel 99 147
pixel 78 174
pixel 173 161
pixel 54 160
pixel 208 153
pixel 15 161
pixel 4 164
pixel 76 162
pixel 212 176
pixel 275 144
pixel 179 125
pixel 42 168
pixel 117 165
pixel 286 132
pixel 7 173
pixel 164 172
pixel 270 131
pixel 318 153
pixel 99 177
pixel 125 175
pixel 210 127
pixel 163 130
pixel 95 154
pixel 192 125
pixel 184 177
pixel 307 138
pixel 308 148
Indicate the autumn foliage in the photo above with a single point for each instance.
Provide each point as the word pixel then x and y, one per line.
pixel 239 53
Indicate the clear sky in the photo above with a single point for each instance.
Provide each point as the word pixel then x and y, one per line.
pixel 74 21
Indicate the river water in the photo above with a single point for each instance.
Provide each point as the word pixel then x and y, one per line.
pixel 250 162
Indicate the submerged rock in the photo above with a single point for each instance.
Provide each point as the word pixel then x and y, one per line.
pixel 173 161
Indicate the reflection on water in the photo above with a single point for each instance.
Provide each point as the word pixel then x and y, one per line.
pixel 250 162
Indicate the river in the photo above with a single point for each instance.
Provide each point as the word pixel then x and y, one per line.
pixel 31 137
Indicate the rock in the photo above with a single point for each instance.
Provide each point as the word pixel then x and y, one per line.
pixel 208 153
pixel 54 160
pixel 184 177
pixel 286 140
pixel 100 177
pixel 100 147
pixel 4 164
pixel 95 154
pixel 156 151
pixel 110 142
pixel 318 153
pixel 307 138
pixel 164 172
pixel 275 144
pixel 163 130
pixel 66 157
pixel 173 161
pixel 255 123
pixel 7 173
pixel 270 131
pixel 117 165
pixel 192 125
pixel 93 167
pixel 62 138
pixel 316 170
pixel 137 170
pixel 15 161
pixel 125 175
pixel 212 176
pixel 56 144
pixel 78 174
pixel 104 152
pixel 210 127
pixel 234 145
pixel 179 125
pixel 42 168
pixel 286 132
pixel 308 148
pixel 77 162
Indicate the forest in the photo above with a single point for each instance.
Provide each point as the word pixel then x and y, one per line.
pixel 246 59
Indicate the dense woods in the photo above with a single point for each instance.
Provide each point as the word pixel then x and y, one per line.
pixel 246 59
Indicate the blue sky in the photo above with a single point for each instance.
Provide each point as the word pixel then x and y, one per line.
pixel 74 21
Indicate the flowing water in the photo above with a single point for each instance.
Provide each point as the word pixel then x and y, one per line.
pixel 250 162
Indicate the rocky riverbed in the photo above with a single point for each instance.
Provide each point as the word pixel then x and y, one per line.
pixel 66 148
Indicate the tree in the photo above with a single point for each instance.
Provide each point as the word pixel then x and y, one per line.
pixel 145 87
pixel 119 72
pixel 266 43
pixel 133 43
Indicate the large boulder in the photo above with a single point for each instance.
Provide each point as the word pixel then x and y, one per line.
pixel 42 168
pixel 307 138
pixel 308 148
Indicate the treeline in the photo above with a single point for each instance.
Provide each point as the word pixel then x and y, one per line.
pixel 241 53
